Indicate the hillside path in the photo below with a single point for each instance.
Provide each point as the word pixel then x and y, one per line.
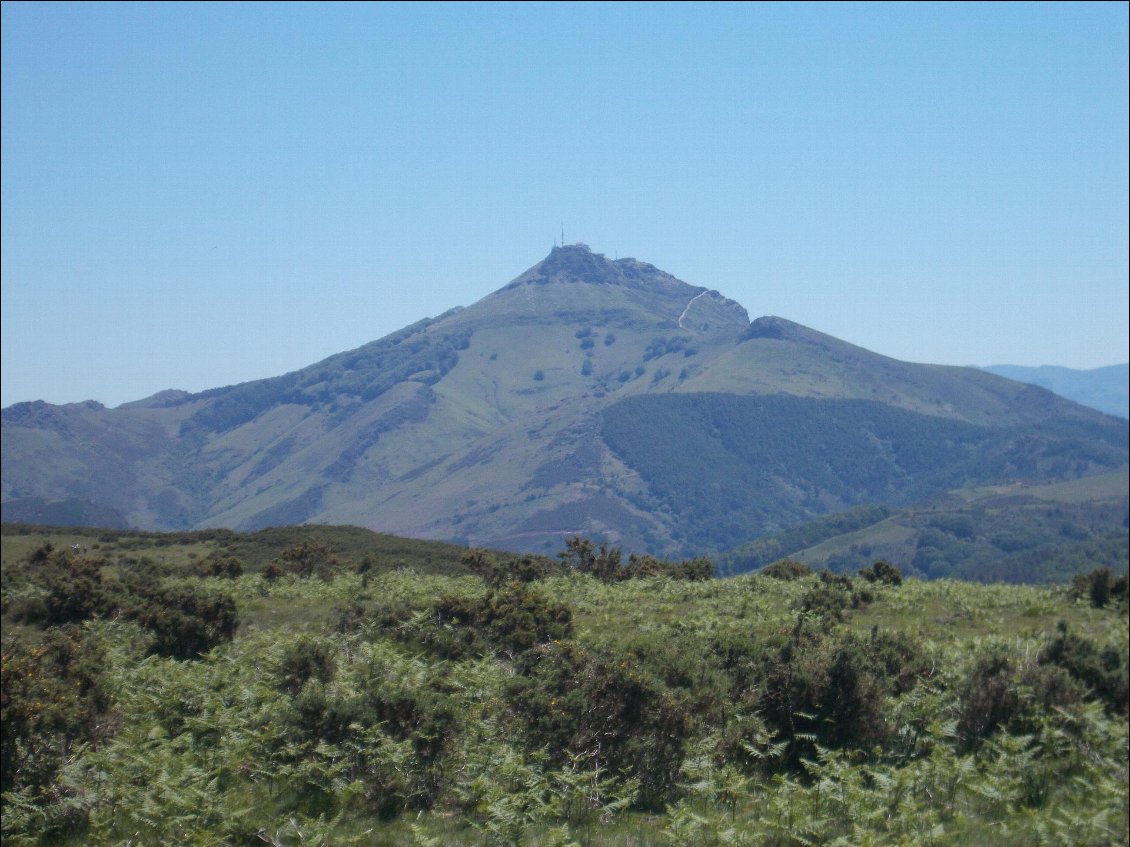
pixel 691 303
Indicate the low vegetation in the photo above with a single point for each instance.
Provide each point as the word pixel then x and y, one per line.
pixel 299 686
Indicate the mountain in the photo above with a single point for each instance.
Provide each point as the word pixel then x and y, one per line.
pixel 1106 389
pixel 588 396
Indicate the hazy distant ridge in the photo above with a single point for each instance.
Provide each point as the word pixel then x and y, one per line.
pixel 1104 389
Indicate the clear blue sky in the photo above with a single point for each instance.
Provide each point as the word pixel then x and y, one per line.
pixel 199 195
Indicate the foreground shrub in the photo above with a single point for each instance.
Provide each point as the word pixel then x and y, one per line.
pixel 497 572
pixel 304 660
pixel 53 696
pixel 988 698
pixel 514 619
pixel 883 572
pixel 824 688
pixel 187 622
pixel 787 569
pixel 1100 587
pixel 1103 671
pixel 624 722
pixel 832 595
pixel 61 588
pixel 1000 694
pixel 604 563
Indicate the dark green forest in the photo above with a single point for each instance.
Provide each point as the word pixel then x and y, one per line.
pixel 1017 539
pixel 329 685
pixel 811 457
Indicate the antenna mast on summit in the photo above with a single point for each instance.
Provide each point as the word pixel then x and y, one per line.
pixel 562 233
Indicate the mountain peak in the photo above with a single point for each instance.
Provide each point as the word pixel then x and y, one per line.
pixel 572 263
pixel 575 283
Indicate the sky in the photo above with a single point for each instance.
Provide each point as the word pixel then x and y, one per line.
pixel 200 195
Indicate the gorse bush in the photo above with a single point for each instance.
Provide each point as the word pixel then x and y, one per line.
pixel 1100 587
pixel 380 722
pixel 1004 694
pixel 514 618
pixel 883 572
pixel 581 555
pixel 815 688
pixel 307 559
pixel 304 660
pixel 679 665
pixel 694 570
pixel 220 564
pixel 1103 671
pixel 989 699
pixel 786 569
pixel 832 596
pixel 64 588
pixel 498 570
pixel 54 700
pixel 186 621
pixel 621 720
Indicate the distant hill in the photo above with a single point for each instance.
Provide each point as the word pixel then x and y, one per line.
pixel 1001 533
pixel 587 396
pixel 353 548
pixel 36 510
pixel 1105 389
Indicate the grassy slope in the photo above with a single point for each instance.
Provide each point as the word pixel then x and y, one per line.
pixel 781 357
pixel 495 429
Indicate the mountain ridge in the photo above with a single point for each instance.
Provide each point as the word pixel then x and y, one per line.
pixel 1106 389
